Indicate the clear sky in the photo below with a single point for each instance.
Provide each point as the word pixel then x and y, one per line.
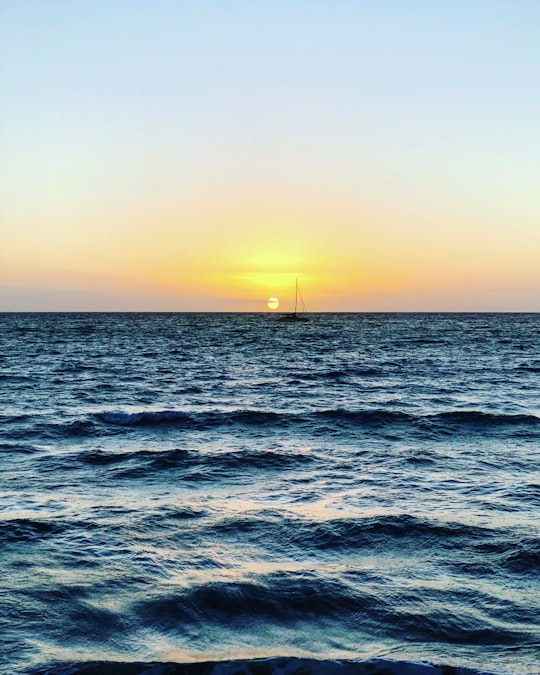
pixel 197 155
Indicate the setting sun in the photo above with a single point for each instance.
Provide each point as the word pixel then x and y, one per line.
pixel 272 303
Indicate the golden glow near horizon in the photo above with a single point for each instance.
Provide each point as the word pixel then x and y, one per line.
pixel 272 303
pixel 207 173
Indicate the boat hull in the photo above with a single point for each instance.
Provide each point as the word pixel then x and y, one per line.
pixel 292 318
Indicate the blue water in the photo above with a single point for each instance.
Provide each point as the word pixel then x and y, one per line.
pixel 360 492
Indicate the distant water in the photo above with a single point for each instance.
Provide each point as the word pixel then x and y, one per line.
pixel 360 492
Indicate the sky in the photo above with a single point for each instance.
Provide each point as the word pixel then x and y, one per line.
pixel 169 155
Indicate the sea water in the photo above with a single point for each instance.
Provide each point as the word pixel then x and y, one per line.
pixel 354 493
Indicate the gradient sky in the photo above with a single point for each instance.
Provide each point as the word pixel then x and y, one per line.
pixel 195 155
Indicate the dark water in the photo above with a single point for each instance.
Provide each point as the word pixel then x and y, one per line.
pixel 210 488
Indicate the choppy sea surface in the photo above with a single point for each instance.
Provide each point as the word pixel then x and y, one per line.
pixel 359 493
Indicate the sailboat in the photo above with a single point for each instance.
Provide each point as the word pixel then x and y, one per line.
pixel 297 315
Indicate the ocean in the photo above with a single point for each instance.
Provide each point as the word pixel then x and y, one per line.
pixel 228 493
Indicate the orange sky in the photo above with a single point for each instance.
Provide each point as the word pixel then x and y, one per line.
pixel 205 163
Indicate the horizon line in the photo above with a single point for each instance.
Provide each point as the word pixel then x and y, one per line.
pixel 262 312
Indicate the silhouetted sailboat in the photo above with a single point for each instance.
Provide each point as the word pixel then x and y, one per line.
pixel 298 314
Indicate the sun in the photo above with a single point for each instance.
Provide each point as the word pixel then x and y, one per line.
pixel 272 303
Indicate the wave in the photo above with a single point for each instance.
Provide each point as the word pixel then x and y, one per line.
pixel 289 600
pixel 46 427
pixel 522 557
pixel 189 419
pixel 18 448
pixel 269 666
pixel 279 597
pixel 338 374
pixel 116 422
pixel 15 530
pixel 480 418
pixel 7 418
pixel 481 548
pixel 242 417
pixel 140 462
pixel 530 367
pixel 346 534
pixel 129 419
pixel 143 458
pixel 14 378
pixel 367 417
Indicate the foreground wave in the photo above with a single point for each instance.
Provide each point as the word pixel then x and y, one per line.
pixel 273 666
